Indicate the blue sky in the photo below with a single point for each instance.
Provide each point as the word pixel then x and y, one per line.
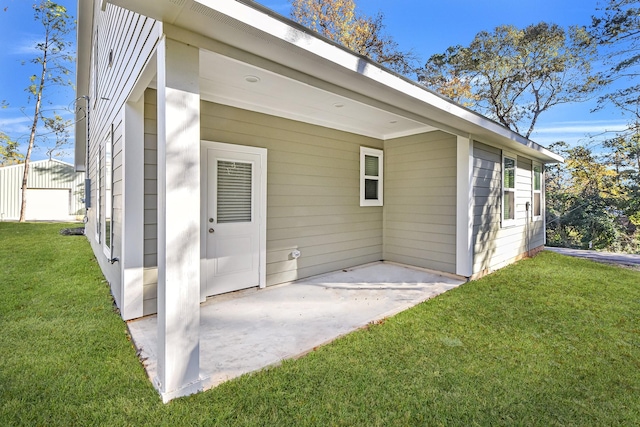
pixel 426 27
pixel 19 36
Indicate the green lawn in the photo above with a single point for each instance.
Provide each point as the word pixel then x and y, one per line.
pixel 548 341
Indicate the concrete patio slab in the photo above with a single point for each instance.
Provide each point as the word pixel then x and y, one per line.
pixel 249 330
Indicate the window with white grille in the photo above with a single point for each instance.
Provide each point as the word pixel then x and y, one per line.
pixel 509 173
pixel 371 176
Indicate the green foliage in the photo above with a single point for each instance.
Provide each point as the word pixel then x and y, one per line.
pixel 592 200
pixel 548 341
pixel 58 126
pixel 9 154
pixel 338 20
pixel 514 75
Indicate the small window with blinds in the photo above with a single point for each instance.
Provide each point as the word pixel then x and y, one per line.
pixel 234 192
pixel 371 177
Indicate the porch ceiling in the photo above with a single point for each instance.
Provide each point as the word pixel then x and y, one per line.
pixel 318 74
pixel 231 82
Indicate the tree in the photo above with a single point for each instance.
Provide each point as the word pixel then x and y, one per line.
pixel 618 31
pixel 338 20
pixel 514 75
pixel 51 61
pixel 9 154
pixel 624 156
pixel 592 198
pixel 579 199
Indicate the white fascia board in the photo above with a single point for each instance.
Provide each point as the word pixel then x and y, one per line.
pixel 403 92
pixel 285 30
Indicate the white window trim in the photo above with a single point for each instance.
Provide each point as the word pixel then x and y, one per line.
pixel 508 222
pixel 108 198
pixel 97 205
pixel 534 191
pixel 365 151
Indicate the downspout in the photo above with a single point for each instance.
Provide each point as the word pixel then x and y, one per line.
pixel 87 180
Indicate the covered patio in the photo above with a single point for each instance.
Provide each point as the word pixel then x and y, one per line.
pixel 245 331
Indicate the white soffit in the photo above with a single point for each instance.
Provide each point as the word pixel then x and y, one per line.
pixel 230 82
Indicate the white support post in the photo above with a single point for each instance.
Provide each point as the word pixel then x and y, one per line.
pixel 464 207
pixel 178 220
pixel 132 252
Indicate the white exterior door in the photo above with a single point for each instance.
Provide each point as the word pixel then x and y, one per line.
pixel 234 218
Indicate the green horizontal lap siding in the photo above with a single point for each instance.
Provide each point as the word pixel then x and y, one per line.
pixel 313 191
pixel 150 203
pixel 495 246
pixel 420 201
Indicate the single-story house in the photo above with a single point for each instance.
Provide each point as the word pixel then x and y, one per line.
pixel 230 147
pixel 54 191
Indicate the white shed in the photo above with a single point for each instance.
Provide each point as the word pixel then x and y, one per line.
pixel 54 191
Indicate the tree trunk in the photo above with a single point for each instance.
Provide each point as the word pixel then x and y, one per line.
pixel 32 137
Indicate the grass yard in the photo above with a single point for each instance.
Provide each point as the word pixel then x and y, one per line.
pixel 548 341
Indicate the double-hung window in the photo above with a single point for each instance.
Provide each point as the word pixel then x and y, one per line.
pixel 536 212
pixel 509 173
pixel 371 176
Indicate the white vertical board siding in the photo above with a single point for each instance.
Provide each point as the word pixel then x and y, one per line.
pixel 313 191
pixel 420 201
pixel 494 246
pixel 43 174
pixel 125 42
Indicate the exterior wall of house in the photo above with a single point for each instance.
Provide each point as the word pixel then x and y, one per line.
pixel 150 233
pixel 313 187
pixel 496 246
pixel 313 180
pixel 43 175
pixel 122 44
pixel 420 201
pixel 313 203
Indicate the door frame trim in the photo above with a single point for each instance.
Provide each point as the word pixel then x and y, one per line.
pixel 204 188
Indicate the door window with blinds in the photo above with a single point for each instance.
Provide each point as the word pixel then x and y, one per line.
pixel 371 176
pixel 234 201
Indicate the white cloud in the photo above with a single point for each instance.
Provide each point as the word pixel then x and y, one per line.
pixel 14 126
pixel 582 127
pixel 577 132
pixel 17 125
pixel 24 46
